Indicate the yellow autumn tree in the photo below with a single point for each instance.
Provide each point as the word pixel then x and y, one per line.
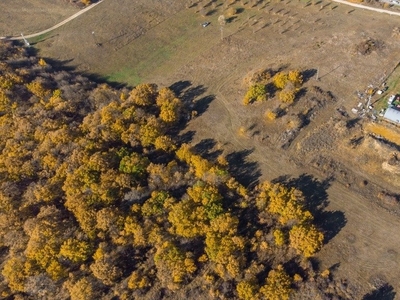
pixel 14 273
pixel 144 94
pixel 139 280
pixel 224 246
pixel 287 203
pixel 188 219
pixel 184 153
pixel 287 96
pixel 38 89
pixel 165 95
pixel 296 78
pixel 280 80
pixel 173 265
pixel 278 285
pixel 306 239
pixel 279 237
pixel 247 290
pixel 83 289
pixel 256 92
pixel 165 143
pixel 150 131
pixel 170 110
pixel 75 250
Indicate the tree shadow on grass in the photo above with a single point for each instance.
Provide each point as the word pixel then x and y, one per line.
pixel 190 94
pixel 186 137
pixel 331 222
pixel 194 103
pixel 204 148
pixel 385 292
pixel 308 74
pixel 179 86
pixel 316 201
pixel 247 173
pixel 201 105
pixel 314 191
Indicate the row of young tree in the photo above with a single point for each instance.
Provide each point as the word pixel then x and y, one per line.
pixel 100 199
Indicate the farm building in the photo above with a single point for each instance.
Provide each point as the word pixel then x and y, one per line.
pixel 392 115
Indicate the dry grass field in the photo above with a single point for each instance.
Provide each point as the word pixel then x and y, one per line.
pixel 164 42
pixel 32 16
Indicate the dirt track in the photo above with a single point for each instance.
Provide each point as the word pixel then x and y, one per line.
pixel 55 26
pixel 385 11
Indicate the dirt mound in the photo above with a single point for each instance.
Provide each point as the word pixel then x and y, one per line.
pixel 368 46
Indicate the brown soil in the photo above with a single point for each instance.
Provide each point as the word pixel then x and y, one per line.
pixel 165 44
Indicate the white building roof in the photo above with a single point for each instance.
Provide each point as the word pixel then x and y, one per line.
pixel 392 115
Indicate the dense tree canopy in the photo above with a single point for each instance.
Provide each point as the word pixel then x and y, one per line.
pixel 99 199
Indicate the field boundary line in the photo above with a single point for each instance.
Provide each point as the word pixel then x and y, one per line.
pixel 15 38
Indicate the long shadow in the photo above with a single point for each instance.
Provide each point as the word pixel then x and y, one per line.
pixel 194 104
pixel 302 92
pixel 314 191
pixel 308 74
pixel 186 137
pixel 179 86
pixel 331 222
pixel 316 201
pixel 247 173
pixel 189 95
pixel 385 292
pixel 204 148
pixel 352 122
pixel 201 105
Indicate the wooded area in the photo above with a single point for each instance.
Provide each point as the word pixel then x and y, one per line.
pixel 101 197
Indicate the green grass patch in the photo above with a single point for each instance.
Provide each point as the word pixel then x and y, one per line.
pixel 40 38
pixel 127 75
pixel 393 84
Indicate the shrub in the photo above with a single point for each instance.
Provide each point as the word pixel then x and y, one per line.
pixel 270 115
pixel 296 78
pixel 256 92
pixel 287 96
pixel 280 80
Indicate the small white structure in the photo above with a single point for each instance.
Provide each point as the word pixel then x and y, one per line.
pixel 392 115
pixel 25 41
pixel 391 98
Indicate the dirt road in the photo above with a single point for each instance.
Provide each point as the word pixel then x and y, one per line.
pixel 368 8
pixel 55 26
